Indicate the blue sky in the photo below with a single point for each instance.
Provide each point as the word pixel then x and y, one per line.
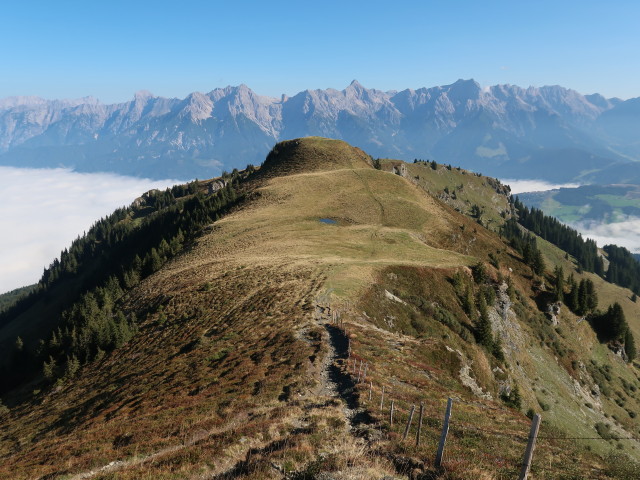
pixel 110 49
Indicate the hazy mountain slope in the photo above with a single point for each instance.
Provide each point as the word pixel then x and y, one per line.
pixel 548 132
pixel 237 371
pixel 621 124
pixel 9 298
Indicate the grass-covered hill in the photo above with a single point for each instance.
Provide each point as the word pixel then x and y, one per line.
pixel 219 330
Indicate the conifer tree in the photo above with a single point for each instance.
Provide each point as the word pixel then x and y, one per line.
pixel 49 369
pixel 582 298
pixel 537 262
pixel 467 301
pixel 484 334
pixel 629 345
pixel 497 348
pixel 72 367
pixel 479 271
pixel 458 283
pixel 558 287
pixel 612 324
pixel 513 399
pixel 571 299
pixel 592 297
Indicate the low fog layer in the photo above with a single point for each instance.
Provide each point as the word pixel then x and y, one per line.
pixel 625 234
pixel 44 210
pixel 520 186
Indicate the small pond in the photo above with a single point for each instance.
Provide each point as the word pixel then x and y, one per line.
pixel 330 221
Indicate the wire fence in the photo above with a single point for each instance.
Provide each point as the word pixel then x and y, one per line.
pixel 400 417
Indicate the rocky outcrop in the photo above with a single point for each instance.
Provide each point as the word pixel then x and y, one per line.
pixel 618 349
pixel 553 312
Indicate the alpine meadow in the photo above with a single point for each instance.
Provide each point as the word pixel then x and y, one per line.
pixel 283 321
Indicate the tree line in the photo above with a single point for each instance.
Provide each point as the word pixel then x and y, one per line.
pixel 566 238
pixel 624 268
pixel 580 297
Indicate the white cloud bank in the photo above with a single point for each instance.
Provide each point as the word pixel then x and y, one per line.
pixel 43 210
pixel 521 186
pixel 624 234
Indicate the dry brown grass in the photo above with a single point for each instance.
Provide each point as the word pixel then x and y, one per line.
pixel 223 377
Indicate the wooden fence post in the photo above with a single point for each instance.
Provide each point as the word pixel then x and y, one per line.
pixel 382 399
pixel 419 424
pixel 443 436
pixel 359 371
pixel 391 414
pixel 406 429
pixel 528 453
pixel 370 390
pixel 364 375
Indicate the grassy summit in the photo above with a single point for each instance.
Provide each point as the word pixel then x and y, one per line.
pixel 312 154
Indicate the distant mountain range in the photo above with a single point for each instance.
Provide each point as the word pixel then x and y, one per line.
pixel 550 133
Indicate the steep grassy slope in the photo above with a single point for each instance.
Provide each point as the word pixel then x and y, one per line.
pixel 480 197
pixel 240 370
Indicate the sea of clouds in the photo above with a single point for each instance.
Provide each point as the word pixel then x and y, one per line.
pixel 624 233
pixel 43 210
pixel 521 186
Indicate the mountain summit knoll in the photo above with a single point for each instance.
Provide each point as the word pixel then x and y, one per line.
pixel 312 154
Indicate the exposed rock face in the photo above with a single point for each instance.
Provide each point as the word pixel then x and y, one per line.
pixel 466 378
pixel 504 324
pixel 553 312
pixel 502 130
pixel 618 349
pixel 391 296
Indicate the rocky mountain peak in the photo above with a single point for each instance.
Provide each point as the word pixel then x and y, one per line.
pixel 142 95
pixel 199 107
pixel 465 89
